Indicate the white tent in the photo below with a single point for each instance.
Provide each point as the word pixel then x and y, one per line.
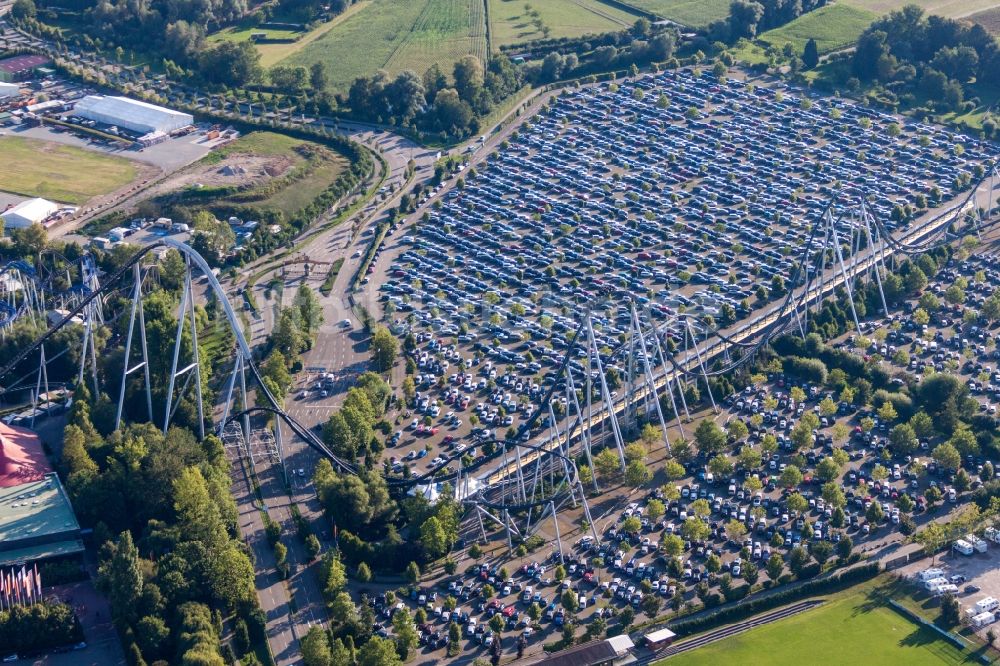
pixel 27 213
pixel 131 114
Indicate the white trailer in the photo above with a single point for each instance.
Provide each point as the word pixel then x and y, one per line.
pixel 981 620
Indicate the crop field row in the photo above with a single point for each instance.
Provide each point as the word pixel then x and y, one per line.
pixel 443 33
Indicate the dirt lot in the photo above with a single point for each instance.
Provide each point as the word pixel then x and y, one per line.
pixel 238 169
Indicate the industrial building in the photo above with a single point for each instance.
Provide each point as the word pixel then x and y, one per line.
pixel 9 90
pixel 22 67
pixel 36 518
pixel 130 114
pixel 27 213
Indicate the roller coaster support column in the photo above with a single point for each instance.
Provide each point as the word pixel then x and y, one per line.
pixel 650 382
pixel 701 364
pixel 126 371
pixel 555 521
pixel 605 393
pixel 876 253
pixel 187 303
pixel 843 271
pixel 43 378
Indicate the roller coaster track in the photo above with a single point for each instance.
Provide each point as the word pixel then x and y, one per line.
pixel 492 494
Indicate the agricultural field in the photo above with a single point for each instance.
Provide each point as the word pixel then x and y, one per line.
pixel 272 54
pixel 833 27
pixel 59 172
pixel 989 19
pixel 694 13
pixel 949 8
pixel 513 22
pixel 396 35
pixel 857 627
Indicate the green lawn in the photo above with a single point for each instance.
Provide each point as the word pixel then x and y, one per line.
pixel 512 23
pixel 56 171
pixel 833 27
pixel 694 13
pixel 396 35
pixel 850 630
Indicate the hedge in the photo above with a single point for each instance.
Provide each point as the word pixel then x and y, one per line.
pixel 754 606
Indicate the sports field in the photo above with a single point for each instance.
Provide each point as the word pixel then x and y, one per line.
pixel 833 27
pixel 518 21
pixel 694 13
pixel 396 35
pixel 848 631
pixel 59 172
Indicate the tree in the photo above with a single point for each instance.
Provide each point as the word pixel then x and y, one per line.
pixel 363 573
pixel 383 349
pixel 637 474
pixel 318 77
pixel 797 502
pixel 790 477
pixel 797 559
pixel 121 579
pixel 23 9
pixel 570 601
pixel 433 538
pixel 407 638
pixel 902 440
pixel 833 494
pixel 378 651
pixel 775 565
pixel 950 615
pixel 810 54
pixel 315 648
pixel 710 438
pixel 947 456
pixel 413 573
pixel 29 241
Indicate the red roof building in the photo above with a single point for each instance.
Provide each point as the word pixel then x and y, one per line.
pixel 22 459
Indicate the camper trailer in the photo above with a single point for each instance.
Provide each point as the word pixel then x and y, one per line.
pixel 980 620
pixel 963 547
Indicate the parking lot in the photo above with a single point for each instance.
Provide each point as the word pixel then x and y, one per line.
pixel 607 194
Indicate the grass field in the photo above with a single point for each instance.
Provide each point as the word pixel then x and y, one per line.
pixel 511 23
pixel 989 19
pixel 68 174
pixel 396 35
pixel 949 8
pixel 852 628
pixel 694 13
pixel 271 54
pixel 833 27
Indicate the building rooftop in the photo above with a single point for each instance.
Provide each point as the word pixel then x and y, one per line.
pixel 37 520
pixel 23 62
pixel 22 459
pixel 615 649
